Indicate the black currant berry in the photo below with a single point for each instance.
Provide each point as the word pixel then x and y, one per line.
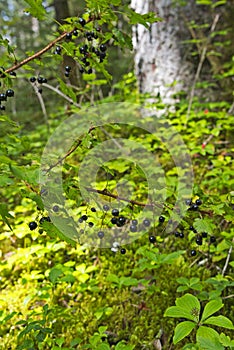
pixel 58 50
pixel 13 74
pixel 133 228
pixel 193 207
pixel 100 234
pixel 40 231
pixel 146 222
pixel 81 70
pixel 84 217
pixel 198 202
pixel 82 21
pixel 177 234
pixel 193 252
pixel 114 220
pixel 123 251
pixel 2 108
pixel 161 218
pixel 93 210
pixel 181 234
pixel 75 32
pixel 102 47
pixel 40 80
pixel 10 93
pixel 90 71
pixel 32 225
pixel 199 240
pixel 115 212
pixel 67 68
pixel 3 97
pixel 44 80
pixel 188 202
pixel 212 239
pixel 40 90
pixel 44 218
pixel 91 224
pixel 152 239
pixel 32 79
pixel 134 222
pixel 204 234
pixel 68 36
pixel 67 74
pixel 121 221
pixel 55 208
pixel 106 207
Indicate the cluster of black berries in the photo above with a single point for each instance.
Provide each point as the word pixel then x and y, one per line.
pixel 39 80
pixel 193 205
pixel 199 238
pixel 33 225
pixel 67 71
pixel 4 96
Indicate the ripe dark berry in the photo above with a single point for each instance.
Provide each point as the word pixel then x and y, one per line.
pixel 199 240
pixel 80 220
pixel 181 235
pixel 161 218
pixel 84 217
pixel 212 239
pixel 32 79
pixel 115 212
pixel 133 228
pixel 40 80
pixel 102 55
pixel 204 234
pixel 13 74
pixel 177 234
pixel 152 239
pixel 10 93
pixel 122 250
pixel 44 80
pixel 90 71
pixel 44 218
pixel 32 225
pixel 193 207
pixel 3 97
pixel 188 202
pixel 67 68
pixel 55 208
pixel 100 234
pixel 106 207
pixel 90 224
pixel 134 222
pixel 121 221
pixel 68 36
pixel 114 220
pixel 40 231
pixel 193 229
pixel 67 74
pixel 82 21
pixel 198 202
pixel 40 90
pixel 58 50
pixel 146 222
pixel 193 252
pixel 75 32
pixel 102 47
pixel 93 209
pixel 82 70
pixel 2 108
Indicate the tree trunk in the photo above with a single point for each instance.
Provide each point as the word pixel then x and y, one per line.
pixel 160 63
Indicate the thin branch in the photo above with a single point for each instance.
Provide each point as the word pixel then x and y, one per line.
pixel 227 260
pixel 199 68
pixel 111 195
pixel 61 94
pixel 39 96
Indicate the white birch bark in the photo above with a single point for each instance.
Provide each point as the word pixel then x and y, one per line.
pixel 159 63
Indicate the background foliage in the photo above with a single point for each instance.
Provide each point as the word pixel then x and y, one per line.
pixel 58 296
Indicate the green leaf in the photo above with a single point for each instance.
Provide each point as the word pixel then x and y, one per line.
pixel 36 9
pixel 208 339
pixel 103 346
pixel 220 321
pixel 210 308
pixel 225 340
pixel 204 225
pixel 187 306
pixel 54 274
pixel 182 330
